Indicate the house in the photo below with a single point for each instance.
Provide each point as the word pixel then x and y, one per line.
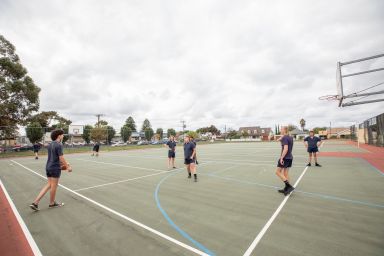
pixel 256 132
pixel 298 134
pixel 136 136
pixel 337 132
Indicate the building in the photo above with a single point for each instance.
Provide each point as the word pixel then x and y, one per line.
pixel 337 132
pixel 298 134
pixel 256 132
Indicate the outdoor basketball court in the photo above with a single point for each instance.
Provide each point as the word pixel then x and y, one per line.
pixel 129 203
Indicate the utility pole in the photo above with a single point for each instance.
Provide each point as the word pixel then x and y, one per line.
pixel 98 119
pixel 330 130
pixel 183 123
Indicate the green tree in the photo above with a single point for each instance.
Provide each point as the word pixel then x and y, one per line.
pixel 126 133
pixel 302 124
pixel 171 132
pixel 291 127
pixel 111 132
pixel 98 134
pixel 244 134
pixel 317 129
pixel 146 124
pixel 101 123
pixel 46 118
pixel 87 133
pixel 232 134
pixel 160 132
pixel 192 134
pixel 34 132
pixel 130 123
pixel 148 133
pixel 19 96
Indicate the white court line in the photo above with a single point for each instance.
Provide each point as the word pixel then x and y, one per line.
pixel 269 223
pixel 121 181
pixel 154 231
pixel 121 165
pixel 28 236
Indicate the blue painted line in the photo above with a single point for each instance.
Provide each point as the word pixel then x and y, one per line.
pixel 372 166
pixel 303 192
pixel 179 230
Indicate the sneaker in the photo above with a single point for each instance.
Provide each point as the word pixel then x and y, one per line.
pixel 318 165
pixel 55 205
pixel 36 158
pixel 189 176
pixel 289 190
pixel 309 164
pixel 281 191
pixel 195 179
pixel 174 167
pixel 34 206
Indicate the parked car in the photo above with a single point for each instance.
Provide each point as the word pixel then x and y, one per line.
pixel 2 149
pixel 23 147
pixel 142 142
pixel 118 144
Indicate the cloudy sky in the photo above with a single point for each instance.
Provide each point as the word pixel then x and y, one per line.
pixel 233 63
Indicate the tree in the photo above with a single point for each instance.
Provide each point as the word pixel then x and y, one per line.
pixel 101 123
pixel 171 132
pixel 45 118
pixel 146 124
pixel 98 134
pixel 34 132
pixel 19 96
pixel 212 129
pixel 244 134
pixel 110 133
pixel 317 129
pixel 291 127
pixel 192 134
pixel 160 132
pixel 148 133
pixel 232 134
pixel 126 133
pixel 87 133
pixel 130 123
pixel 302 124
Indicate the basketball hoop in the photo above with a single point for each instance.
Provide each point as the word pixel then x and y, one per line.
pixel 329 97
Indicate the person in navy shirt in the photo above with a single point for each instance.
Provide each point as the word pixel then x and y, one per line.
pixel 312 144
pixel 55 163
pixel 36 148
pixel 189 157
pixel 285 161
pixel 171 144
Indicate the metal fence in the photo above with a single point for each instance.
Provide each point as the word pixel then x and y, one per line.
pixel 372 131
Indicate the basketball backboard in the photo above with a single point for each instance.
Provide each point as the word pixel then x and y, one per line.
pixel 76 129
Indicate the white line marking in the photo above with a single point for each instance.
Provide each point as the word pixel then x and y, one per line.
pixel 121 165
pixel 269 223
pixel 154 231
pixel 31 241
pixel 121 181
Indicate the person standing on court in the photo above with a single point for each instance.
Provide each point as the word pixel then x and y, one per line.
pixel 55 163
pixel 312 143
pixel 285 161
pixel 189 157
pixel 96 148
pixel 171 143
pixel 36 148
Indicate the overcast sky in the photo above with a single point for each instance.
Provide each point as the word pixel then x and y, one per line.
pixel 233 63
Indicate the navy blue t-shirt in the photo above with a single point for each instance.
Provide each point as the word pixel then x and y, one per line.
pixel 287 140
pixel 171 145
pixel 312 141
pixel 55 150
pixel 36 147
pixel 188 149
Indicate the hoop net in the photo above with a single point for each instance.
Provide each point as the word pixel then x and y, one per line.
pixel 329 97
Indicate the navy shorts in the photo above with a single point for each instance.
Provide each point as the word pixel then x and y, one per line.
pixel 36 151
pixel 53 173
pixel 312 150
pixel 287 163
pixel 189 161
pixel 171 154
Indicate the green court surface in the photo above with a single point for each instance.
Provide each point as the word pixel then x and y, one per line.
pixel 129 203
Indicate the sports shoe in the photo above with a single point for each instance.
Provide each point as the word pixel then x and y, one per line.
pixel 55 205
pixel 318 165
pixel 189 176
pixel 288 190
pixel 195 179
pixel 281 191
pixel 34 206
pixel 36 158
pixel 309 164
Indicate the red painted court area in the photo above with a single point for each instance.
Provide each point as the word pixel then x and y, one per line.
pixel 12 239
pixel 374 156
